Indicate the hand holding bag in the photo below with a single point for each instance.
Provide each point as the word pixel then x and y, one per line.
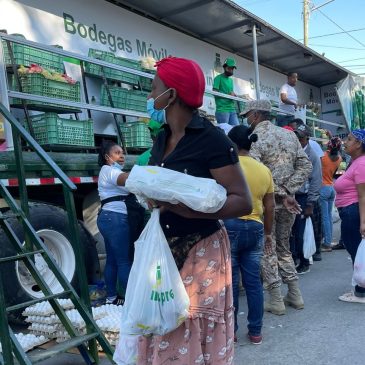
pixel 309 243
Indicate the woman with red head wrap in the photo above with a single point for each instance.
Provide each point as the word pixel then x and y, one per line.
pixel 190 144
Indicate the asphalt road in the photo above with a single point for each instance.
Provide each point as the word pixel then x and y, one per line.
pixel 325 332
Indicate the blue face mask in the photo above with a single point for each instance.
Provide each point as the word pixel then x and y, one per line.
pixel 117 165
pixel 159 115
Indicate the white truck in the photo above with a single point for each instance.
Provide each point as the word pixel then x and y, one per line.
pixel 206 31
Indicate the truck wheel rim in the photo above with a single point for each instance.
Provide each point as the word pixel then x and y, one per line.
pixel 62 253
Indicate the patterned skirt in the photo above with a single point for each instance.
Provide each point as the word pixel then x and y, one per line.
pixel 206 338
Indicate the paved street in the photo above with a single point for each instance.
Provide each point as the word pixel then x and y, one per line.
pixel 326 332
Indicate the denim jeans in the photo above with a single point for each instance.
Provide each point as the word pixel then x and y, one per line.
pixel 115 230
pixel 247 238
pixel 227 117
pixel 327 198
pixel 350 232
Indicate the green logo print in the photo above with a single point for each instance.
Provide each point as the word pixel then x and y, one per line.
pixel 160 296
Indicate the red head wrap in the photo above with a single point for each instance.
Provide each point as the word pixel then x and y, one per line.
pixel 185 76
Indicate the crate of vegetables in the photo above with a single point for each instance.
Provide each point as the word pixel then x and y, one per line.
pixel 38 81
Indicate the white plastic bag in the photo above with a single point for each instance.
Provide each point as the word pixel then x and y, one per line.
pixel 156 301
pixel 358 277
pixel 126 350
pixel 309 243
pixel 157 183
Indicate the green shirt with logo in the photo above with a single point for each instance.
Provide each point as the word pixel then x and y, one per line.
pixel 224 85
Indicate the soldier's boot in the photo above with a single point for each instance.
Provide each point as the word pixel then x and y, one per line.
pixel 275 305
pixel 294 297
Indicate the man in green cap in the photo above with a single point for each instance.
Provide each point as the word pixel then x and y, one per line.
pixel 223 83
pixel 154 128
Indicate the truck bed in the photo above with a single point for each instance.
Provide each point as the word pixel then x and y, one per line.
pixel 73 164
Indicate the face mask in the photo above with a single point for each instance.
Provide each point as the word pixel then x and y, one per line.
pixel 116 164
pixel 159 115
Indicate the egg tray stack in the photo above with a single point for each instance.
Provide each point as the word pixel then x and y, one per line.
pixel 42 318
pixel 45 323
pixel 110 323
pixel 78 323
pixel 29 341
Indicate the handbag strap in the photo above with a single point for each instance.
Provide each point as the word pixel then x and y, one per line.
pixel 117 198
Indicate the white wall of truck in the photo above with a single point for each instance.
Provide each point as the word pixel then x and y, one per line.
pixel 83 24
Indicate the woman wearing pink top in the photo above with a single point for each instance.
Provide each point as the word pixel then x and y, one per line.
pixel 350 201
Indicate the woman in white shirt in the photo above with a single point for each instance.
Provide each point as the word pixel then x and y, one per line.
pixel 113 219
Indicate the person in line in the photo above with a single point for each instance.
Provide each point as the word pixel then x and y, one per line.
pixel 288 99
pixel 307 196
pixel 350 201
pixel 330 163
pixel 281 152
pixel 317 213
pixel 250 234
pixel 191 144
pixel 223 83
pixel 112 220
pixel 316 147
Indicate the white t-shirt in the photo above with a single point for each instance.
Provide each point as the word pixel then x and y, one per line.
pixel 316 148
pixel 291 94
pixel 107 187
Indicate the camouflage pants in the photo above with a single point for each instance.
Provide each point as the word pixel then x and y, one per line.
pixel 280 261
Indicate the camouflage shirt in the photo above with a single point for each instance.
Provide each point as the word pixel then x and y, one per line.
pixel 280 150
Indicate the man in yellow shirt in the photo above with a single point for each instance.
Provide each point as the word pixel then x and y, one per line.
pixel 250 234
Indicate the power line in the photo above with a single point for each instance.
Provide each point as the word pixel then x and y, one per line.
pixel 354 59
pixel 326 45
pixel 332 21
pixel 331 34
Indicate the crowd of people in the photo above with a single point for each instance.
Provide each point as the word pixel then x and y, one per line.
pixel 275 180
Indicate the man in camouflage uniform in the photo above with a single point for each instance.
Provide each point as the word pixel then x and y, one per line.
pixel 281 152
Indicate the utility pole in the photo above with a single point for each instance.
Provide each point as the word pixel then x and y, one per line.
pixel 306 13
pixel 305 21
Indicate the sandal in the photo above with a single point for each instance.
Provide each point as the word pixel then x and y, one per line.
pixel 351 298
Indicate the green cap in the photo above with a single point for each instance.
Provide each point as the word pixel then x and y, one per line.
pixel 154 127
pixel 230 62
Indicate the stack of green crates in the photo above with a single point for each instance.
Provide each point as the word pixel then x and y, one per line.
pixel 110 73
pixel 50 129
pixel 124 99
pixel 136 135
pixel 25 55
pixel 37 84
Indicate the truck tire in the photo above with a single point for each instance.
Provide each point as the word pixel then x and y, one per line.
pixel 51 224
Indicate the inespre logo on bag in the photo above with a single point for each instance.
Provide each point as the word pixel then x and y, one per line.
pixel 157 295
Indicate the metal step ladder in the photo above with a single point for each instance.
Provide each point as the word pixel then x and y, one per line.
pixel 86 344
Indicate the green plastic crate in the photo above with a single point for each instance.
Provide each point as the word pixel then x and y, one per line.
pixel 118 94
pixel 25 55
pixel 110 73
pixel 136 135
pixel 146 83
pixel 37 84
pixel 124 98
pixel 49 128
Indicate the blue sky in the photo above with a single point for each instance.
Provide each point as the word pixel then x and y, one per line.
pixel 286 15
